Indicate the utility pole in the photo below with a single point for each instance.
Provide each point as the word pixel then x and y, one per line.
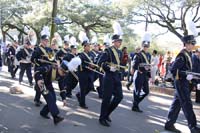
pixel 146 24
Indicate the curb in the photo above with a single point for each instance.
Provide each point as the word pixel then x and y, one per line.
pixel 162 90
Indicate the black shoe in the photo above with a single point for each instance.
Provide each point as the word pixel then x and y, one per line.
pixel 37 104
pixel 83 106
pixel 108 119
pixel 172 129
pixel 93 90
pixel 127 86
pixel 136 109
pixel 57 119
pixel 104 123
pixel 69 95
pixel 31 84
pixel 195 130
pixel 44 116
pixel 40 102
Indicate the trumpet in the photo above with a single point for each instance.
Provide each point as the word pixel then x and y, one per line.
pixel 195 75
pixel 145 65
pixel 192 73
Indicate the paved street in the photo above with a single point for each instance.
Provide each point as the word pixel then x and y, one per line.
pixel 19 115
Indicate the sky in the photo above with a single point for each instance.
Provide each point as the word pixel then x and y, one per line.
pixel 168 41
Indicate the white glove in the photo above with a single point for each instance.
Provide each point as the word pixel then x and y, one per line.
pixel 189 77
pixel 64 102
pixel 112 69
pixel 40 83
pixel 198 86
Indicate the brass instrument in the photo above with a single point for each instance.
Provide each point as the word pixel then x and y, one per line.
pixel 98 67
pixel 44 89
pixel 117 66
pixel 51 56
pixel 45 61
pixel 55 64
pixel 146 66
pixel 195 75
pixel 90 63
pixel 91 69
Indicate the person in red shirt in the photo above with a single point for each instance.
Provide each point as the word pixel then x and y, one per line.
pixel 124 60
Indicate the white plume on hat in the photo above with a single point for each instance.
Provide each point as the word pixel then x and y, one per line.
pixel 66 38
pixel 117 28
pixel 106 39
pixel 58 38
pixel 45 31
pixel 94 39
pixel 74 63
pixel 82 36
pixel 32 37
pixel 72 41
pixel 192 30
pixel 15 38
pixel 146 37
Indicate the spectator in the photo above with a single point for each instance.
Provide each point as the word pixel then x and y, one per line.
pixel 167 62
pixel 0 59
pixel 124 61
pixel 154 66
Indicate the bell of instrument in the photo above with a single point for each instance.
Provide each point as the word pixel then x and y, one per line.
pixel 51 56
pixel 44 90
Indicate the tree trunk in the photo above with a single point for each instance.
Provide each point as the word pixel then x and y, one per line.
pixel 87 32
pixel 54 13
pixel 3 35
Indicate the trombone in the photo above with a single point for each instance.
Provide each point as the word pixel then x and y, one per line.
pixel 91 69
pixel 90 63
pixel 55 64
pixel 49 62
pixel 117 66
pixel 98 67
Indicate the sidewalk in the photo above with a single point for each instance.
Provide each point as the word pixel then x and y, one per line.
pixel 19 115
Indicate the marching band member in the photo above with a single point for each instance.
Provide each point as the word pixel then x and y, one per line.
pixel 24 57
pixel 182 99
pixel 110 61
pixel 44 76
pixel 84 72
pixel 12 67
pixel 141 73
pixel 41 52
pixel 71 81
pixel 63 51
